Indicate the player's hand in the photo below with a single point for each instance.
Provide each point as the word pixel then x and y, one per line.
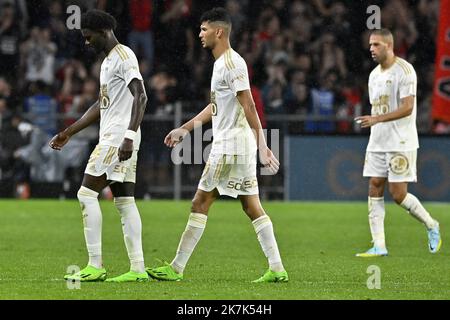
pixel 125 149
pixel 268 160
pixel 59 141
pixel 175 137
pixel 366 121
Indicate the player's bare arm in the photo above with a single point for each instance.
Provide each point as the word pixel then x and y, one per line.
pixel 267 157
pixel 176 135
pixel 405 109
pixel 90 116
pixel 137 113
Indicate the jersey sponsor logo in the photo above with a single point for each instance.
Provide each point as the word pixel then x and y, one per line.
pixel 399 164
pixel 118 168
pixel 381 105
pixel 248 184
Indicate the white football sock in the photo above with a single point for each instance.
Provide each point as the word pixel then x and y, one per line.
pixel 264 230
pixel 191 236
pixel 92 222
pixel 415 208
pixel 376 221
pixel 132 231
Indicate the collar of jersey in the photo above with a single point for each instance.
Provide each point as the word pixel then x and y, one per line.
pixel 109 53
pixel 223 54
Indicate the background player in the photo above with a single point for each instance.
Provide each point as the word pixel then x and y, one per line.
pixel 392 150
pixel 120 108
pixel 231 167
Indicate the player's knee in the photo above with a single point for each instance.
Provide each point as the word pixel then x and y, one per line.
pixel 122 203
pixel 376 188
pixel 252 212
pixel 247 209
pixel 398 195
pixel 201 202
pixel 85 194
pixel 199 205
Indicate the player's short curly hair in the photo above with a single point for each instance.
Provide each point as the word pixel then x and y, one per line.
pixel 215 15
pixel 98 20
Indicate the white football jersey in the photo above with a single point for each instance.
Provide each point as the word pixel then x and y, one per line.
pixel 386 88
pixel 231 131
pixel 116 101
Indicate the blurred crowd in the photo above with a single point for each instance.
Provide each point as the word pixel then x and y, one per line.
pixel 307 60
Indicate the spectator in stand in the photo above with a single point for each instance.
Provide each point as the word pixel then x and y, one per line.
pixel 302 62
pixel 238 19
pixel 300 25
pixel 276 49
pixel 14 135
pixel 38 56
pixel 74 75
pixel 162 96
pixel 323 102
pixel 6 91
pixel 41 108
pixel 280 7
pixel 297 100
pixel 329 56
pixel 140 39
pixel 9 42
pixel 350 107
pixel 80 104
pixel 273 90
pixel 269 27
pixel 5 112
pixel 60 34
pixel 177 51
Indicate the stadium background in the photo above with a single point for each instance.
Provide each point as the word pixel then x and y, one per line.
pixel 308 62
pixel 293 49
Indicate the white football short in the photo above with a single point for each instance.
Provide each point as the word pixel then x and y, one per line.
pixel 105 159
pixel 232 175
pixel 396 166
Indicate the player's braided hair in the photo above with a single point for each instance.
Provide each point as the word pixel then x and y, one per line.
pixel 98 20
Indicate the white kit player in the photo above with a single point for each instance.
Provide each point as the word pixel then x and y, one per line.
pixel 120 108
pixel 392 150
pixel 231 167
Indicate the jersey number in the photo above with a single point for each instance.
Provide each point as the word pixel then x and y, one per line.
pixel 213 104
pixel 213 109
pixel 104 99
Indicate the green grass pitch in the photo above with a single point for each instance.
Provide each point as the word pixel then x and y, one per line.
pixel 318 241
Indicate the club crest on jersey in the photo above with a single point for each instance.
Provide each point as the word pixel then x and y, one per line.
pixel 399 164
